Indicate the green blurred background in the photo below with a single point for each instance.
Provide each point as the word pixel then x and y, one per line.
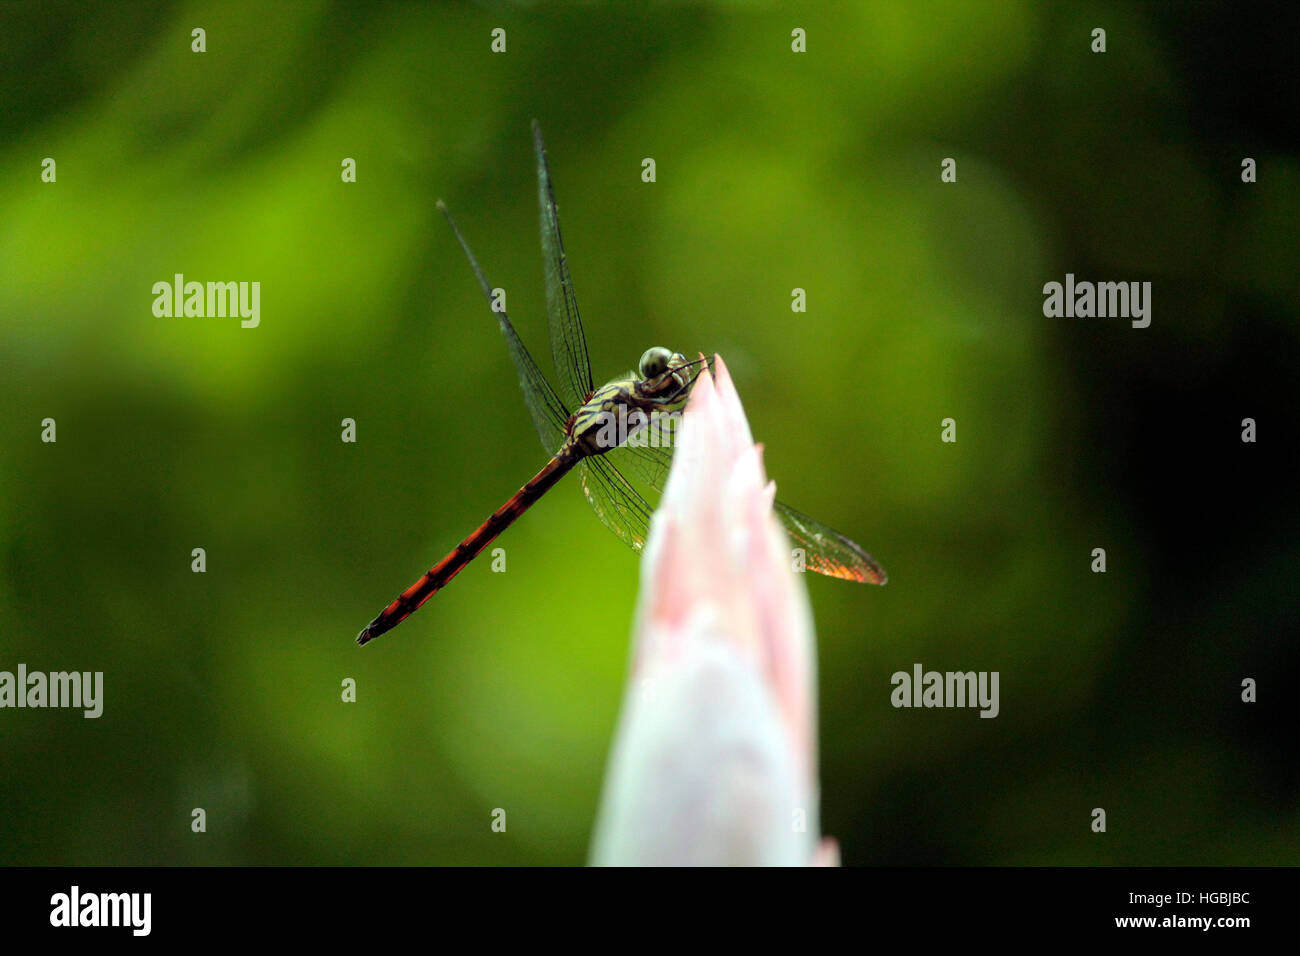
pixel 775 171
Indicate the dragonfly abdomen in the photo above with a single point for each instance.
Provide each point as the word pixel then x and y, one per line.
pixel 437 577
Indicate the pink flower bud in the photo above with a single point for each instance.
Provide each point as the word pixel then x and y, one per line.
pixel 715 759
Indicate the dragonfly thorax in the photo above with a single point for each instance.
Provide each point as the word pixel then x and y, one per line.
pixel 621 408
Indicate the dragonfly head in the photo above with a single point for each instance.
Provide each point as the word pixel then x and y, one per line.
pixel 656 361
pixel 663 370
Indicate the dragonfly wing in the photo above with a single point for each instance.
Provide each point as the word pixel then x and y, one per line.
pixel 647 464
pixel 826 551
pixel 568 343
pixel 615 501
pixel 549 413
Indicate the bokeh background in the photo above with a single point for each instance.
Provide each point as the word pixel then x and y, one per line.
pixel 775 171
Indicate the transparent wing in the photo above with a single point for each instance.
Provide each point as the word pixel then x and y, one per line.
pixel 568 343
pixel 615 501
pixel 548 412
pixel 649 464
pixel 826 551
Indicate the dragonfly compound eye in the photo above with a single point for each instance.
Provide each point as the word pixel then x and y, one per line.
pixel 655 361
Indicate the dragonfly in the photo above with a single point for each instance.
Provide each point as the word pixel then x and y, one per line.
pixel 591 430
